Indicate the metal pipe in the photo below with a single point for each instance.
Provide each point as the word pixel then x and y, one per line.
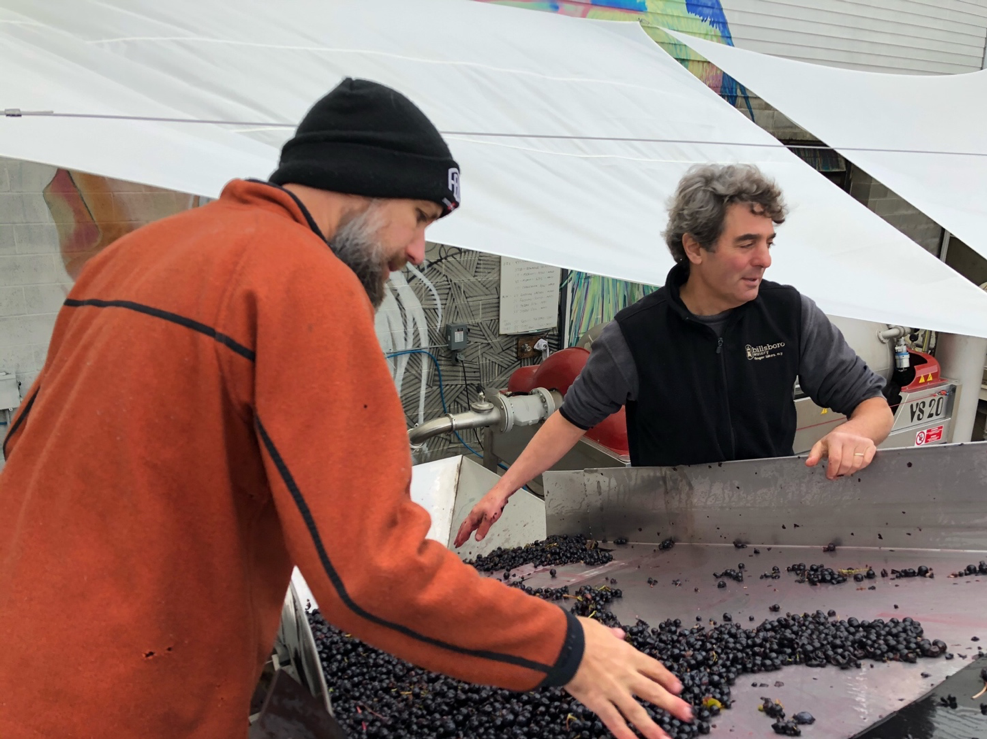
pixel 892 332
pixel 454 422
pixel 505 411
pixel 962 360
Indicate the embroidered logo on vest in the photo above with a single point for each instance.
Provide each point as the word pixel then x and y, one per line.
pixel 765 351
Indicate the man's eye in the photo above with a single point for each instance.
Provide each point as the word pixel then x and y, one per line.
pixel 422 218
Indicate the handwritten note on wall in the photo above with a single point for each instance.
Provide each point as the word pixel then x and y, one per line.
pixel 529 296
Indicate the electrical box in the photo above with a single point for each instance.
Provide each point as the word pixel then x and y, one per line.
pixel 458 336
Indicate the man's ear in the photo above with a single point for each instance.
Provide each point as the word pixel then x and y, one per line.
pixel 693 251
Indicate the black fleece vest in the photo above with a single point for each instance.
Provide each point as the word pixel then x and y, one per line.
pixel 707 399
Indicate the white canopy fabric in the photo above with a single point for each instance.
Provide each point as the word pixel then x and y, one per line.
pixel 571 133
pixel 922 136
pixel 43 70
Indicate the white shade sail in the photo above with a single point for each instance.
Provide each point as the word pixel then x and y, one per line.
pixel 571 133
pixel 44 71
pixel 925 137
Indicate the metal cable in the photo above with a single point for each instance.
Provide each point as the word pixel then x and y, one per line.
pixel 17 113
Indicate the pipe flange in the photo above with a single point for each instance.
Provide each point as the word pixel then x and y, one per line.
pixel 547 399
pixel 506 416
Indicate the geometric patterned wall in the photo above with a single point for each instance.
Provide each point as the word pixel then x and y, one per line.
pixel 468 286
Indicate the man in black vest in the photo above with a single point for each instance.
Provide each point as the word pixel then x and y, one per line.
pixel 707 365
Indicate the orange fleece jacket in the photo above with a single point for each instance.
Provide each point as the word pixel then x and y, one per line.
pixel 214 409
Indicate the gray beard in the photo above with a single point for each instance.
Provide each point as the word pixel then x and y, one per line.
pixel 357 246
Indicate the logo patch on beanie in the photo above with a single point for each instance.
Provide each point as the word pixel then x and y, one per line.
pixel 454 183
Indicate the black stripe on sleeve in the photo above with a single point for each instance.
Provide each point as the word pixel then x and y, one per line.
pixel 570 656
pixel 20 419
pixel 167 316
pixel 340 588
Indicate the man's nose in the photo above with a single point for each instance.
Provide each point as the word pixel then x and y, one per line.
pixel 762 258
pixel 416 249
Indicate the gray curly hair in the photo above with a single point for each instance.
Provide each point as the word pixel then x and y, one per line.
pixel 700 203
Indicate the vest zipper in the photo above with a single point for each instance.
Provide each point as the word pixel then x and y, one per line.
pixel 726 396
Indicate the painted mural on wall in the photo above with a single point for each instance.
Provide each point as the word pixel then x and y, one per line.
pixel 703 18
pixel 91 212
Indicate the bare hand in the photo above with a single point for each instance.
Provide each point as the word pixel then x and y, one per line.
pixel 847 453
pixel 484 515
pixel 612 673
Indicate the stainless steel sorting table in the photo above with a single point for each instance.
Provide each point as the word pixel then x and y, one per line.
pixel 911 507
pixel 843 701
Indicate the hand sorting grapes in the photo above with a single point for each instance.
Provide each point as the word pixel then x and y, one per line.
pixel 377 695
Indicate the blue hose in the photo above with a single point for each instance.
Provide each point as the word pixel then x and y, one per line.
pixel 442 394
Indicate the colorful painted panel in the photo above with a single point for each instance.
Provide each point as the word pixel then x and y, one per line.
pixel 704 18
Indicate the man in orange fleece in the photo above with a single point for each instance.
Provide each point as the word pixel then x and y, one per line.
pixel 215 409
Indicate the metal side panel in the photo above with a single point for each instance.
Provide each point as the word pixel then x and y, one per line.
pixel 433 487
pixel 449 488
pixel 522 522
pixel 924 497
pixel 296 634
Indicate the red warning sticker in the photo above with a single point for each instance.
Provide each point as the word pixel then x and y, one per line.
pixel 928 436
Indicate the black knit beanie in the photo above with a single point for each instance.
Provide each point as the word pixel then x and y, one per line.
pixel 366 139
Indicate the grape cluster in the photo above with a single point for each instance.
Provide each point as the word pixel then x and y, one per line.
pixel 786 728
pixel 543 593
pixel 980 569
pixel 920 571
pixel 773 709
pixel 553 551
pixel 817 574
pixel 594 603
pixel 735 575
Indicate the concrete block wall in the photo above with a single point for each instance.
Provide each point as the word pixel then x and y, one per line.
pixel 895 210
pixel 51 222
pixel 33 280
pixel 772 120
pixel 863 187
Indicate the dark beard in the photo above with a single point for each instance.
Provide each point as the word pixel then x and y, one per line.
pixel 357 246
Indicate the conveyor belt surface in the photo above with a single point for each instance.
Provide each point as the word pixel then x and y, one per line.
pixel 844 702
